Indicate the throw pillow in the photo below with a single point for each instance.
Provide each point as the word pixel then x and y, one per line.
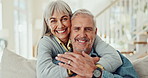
pixel 141 68
pixel 16 66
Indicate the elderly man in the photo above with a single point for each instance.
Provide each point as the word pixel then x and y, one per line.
pixel 81 62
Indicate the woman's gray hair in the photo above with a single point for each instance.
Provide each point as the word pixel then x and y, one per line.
pixel 84 11
pixel 57 6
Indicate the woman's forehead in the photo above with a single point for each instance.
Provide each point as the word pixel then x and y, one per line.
pixel 60 12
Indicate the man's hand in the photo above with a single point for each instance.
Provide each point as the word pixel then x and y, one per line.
pixel 77 76
pixel 83 65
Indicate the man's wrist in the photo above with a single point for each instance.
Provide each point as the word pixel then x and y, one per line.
pixel 90 75
pixel 97 73
pixel 69 72
pixel 100 66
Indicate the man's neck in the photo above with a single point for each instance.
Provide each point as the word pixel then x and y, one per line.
pixel 80 52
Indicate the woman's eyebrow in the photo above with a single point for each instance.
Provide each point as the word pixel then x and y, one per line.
pixel 52 18
pixel 55 18
pixel 64 16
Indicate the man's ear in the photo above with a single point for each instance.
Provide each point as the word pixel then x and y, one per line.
pixel 96 31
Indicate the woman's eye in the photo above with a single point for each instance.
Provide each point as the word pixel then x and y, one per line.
pixel 64 19
pixel 53 21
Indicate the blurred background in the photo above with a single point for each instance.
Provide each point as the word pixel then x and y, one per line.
pixel 121 23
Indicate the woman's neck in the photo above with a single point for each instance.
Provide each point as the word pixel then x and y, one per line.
pixel 65 41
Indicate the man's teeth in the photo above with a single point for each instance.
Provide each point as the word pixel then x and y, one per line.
pixel 81 41
pixel 61 31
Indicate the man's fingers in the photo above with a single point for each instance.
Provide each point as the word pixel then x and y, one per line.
pixel 85 55
pixel 77 76
pixel 96 59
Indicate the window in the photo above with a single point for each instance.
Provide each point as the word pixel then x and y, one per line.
pixel 21 28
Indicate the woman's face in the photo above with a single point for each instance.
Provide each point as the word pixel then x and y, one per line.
pixel 59 23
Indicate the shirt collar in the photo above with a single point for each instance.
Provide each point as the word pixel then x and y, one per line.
pixel 93 53
pixel 67 47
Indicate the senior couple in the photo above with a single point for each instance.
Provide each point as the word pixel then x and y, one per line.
pixel 70 47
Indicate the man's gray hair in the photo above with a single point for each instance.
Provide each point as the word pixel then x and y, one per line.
pixel 84 11
pixel 56 6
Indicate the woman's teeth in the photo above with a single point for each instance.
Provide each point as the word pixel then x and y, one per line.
pixel 61 31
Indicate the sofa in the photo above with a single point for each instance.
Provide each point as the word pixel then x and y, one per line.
pixel 16 66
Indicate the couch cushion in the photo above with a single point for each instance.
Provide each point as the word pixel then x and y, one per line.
pixel 0 71
pixel 16 66
pixel 141 68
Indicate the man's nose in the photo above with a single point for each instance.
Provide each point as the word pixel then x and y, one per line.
pixel 83 33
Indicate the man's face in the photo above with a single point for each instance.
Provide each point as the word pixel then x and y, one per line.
pixel 83 33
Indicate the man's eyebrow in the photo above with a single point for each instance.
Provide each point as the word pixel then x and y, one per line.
pixel 88 27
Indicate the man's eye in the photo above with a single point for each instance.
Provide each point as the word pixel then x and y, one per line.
pixel 76 29
pixel 88 29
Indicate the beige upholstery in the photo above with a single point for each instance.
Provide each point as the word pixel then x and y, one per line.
pixel 141 66
pixel 15 66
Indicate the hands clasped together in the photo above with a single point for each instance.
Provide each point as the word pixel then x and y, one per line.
pixel 81 64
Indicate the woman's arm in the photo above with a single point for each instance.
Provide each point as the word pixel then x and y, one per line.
pixel 45 67
pixel 126 70
pixel 110 59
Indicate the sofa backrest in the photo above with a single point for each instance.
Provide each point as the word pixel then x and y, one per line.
pixel 141 67
pixel 16 66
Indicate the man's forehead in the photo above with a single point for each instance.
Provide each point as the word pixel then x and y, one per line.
pixel 75 24
pixel 82 18
pixel 80 26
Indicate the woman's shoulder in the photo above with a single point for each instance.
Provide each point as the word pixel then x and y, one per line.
pixel 46 39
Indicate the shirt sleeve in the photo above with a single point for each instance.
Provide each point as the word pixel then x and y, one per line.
pixel 110 59
pixel 126 70
pixel 45 67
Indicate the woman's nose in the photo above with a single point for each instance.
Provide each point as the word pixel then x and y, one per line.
pixel 60 24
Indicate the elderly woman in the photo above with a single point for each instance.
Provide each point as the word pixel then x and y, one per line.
pixel 55 40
